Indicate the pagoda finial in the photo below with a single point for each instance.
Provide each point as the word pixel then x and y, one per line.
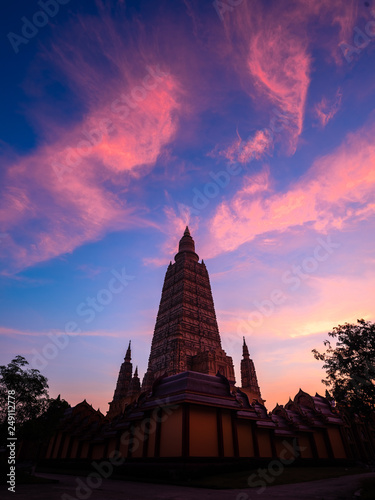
pixel 186 247
pixel 136 372
pixel 128 355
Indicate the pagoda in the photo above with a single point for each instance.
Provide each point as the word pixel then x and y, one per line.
pixel 186 335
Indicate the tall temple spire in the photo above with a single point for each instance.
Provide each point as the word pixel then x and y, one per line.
pixel 128 355
pixel 121 395
pixel 245 350
pixel 186 335
pixel 249 379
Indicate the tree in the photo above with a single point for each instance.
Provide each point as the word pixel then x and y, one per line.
pixel 35 433
pixel 350 366
pixel 27 386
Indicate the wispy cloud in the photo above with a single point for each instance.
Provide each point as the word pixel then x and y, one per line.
pixel 338 189
pixel 253 148
pixel 326 109
pixel 75 187
pixel 274 58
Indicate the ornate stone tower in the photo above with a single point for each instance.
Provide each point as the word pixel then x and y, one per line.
pixel 249 379
pixel 186 335
pixel 120 397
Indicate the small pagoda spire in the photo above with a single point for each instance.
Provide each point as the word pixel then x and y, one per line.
pixel 245 350
pixel 249 379
pixel 128 355
pixel 187 232
pixel 135 385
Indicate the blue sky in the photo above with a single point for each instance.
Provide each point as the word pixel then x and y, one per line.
pixel 125 121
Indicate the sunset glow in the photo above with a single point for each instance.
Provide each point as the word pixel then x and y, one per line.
pixel 123 122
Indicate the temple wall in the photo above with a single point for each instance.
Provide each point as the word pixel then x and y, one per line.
pixel 124 443
pixel 336 442
pixel 320 444
pixel 65 447
pixel 98 451
pixel 138 439
pixel 50 447
pixel 57 445
pixel 203 432
pixel 112 445
pixel 151 437
pixel 165 438
pixel 245 439
pixel 171 434
pixel 85 450
pixel 226 422
pixel 264 442
pixel 218 424
pixel 304 444
pixel 283 447
pixel 74 448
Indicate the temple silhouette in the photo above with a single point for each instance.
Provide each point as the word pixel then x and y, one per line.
pixel 186 335
pixel 189 406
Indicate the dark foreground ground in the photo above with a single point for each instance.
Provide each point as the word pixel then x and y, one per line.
pixel 71 487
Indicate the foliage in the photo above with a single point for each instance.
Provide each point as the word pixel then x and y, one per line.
pixel 43 427
pixel 350 366
pixel 30 391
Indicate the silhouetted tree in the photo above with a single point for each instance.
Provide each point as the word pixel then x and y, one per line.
pixel 30 391
pixel 350 366
pixel 37 415
pixel 35 433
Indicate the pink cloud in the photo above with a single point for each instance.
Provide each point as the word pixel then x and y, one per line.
pixel 273 57
pixel 280 69
pixel 70 190
pixel 336 191
pixel 326 109
pixel 254 148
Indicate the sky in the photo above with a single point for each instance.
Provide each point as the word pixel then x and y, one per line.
pixel 251 121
